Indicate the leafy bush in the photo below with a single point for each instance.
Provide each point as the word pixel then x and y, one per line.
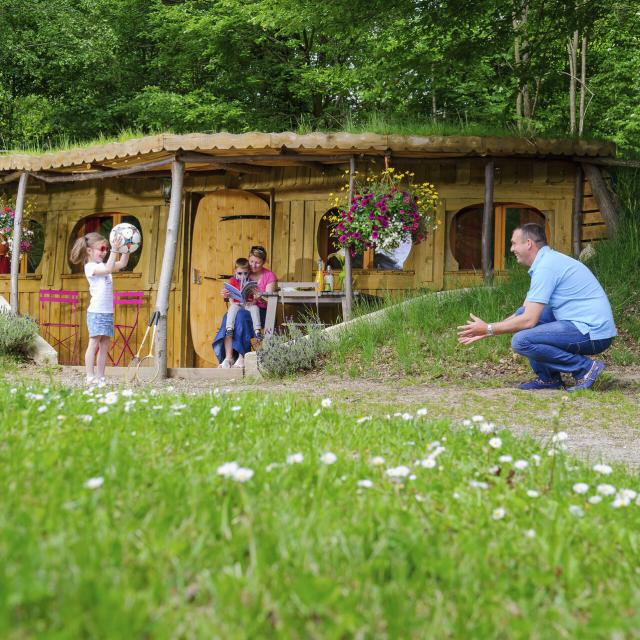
pixel 283 355
pixel 16 333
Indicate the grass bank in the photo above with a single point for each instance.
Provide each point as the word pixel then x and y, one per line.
pixel 122 517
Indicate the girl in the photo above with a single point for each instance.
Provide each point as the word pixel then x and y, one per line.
pixel 90 249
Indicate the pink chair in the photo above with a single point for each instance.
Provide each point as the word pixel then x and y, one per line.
pixel 63 335
pixel 125 333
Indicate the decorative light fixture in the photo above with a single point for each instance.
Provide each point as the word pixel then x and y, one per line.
pixel 165 189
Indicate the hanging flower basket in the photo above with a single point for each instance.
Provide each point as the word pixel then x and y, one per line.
pixel 7 215
pixel 388 210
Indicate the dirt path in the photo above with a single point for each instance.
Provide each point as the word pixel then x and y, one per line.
pixel 602 425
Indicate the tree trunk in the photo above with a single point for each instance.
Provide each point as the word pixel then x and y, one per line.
pixel 168 260
pixel 348 275
pixel 487 222
pixel 572 50
pixel 15 249
pixel 603 197
pixel 583 83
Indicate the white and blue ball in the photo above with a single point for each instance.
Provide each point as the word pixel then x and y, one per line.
pixel 131 237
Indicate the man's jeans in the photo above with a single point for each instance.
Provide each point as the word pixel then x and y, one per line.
pixel 555 346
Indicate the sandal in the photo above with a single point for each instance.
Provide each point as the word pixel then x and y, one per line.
pixel 239 363
pixel 226 364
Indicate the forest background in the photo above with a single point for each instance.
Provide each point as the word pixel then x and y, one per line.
pixel 74 70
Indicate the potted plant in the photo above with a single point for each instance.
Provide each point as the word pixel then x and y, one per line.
pixel 7 216
pixel 388 209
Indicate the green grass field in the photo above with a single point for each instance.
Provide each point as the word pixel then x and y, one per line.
pixel 117 523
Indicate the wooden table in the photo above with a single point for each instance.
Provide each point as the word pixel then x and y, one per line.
pixel 301 297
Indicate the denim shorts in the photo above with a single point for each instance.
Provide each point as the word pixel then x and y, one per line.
pixel 100 324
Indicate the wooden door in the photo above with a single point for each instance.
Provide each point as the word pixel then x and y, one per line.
pixel 228 223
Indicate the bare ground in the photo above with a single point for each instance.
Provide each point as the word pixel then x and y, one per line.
pixel 603 425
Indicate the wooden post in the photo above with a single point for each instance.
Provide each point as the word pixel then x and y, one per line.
pixel 487 222
pixel 15 249
pixel 576 222
pixel 168 260
pixel 602 196
pixel 348 275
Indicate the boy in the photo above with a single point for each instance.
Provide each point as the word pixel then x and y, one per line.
pixel 238 280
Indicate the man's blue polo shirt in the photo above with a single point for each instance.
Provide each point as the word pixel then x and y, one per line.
pixel 572 292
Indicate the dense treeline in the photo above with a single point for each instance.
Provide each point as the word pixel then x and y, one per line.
pixel 77 69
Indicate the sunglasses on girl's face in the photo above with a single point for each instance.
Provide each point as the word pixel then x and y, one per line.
pixel 102 247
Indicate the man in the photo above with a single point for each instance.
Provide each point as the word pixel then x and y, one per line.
pixel 566 316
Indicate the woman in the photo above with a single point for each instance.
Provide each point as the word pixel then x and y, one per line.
pixel 230 350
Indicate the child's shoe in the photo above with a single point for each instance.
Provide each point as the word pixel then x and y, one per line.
pixel 226 364
pixel 239 363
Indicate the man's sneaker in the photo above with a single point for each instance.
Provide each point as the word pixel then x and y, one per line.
pixel 229 333
pixel 584 383
pixel 539 384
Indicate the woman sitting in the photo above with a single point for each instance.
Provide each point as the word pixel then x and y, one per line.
pixel 230 350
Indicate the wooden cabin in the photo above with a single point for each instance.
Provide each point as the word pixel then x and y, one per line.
pixel 273 190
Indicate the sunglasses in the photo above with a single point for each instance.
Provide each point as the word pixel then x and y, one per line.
pixel 102 247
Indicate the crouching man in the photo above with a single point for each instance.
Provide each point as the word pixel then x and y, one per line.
pixel 566 316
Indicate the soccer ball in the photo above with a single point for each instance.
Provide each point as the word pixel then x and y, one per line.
pixel 131 236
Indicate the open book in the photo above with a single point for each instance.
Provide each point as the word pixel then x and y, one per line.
pixel 248 291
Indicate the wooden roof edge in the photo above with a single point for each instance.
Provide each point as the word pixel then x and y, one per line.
pixel 257 143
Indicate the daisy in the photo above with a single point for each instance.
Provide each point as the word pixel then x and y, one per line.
pixel 398 472
pixel 520 464
pixel 495 443
pixel 326 403
pixel 242 474
pixel 365 484
pixel 295 458
pixel 605 489
pixel 604 469
pixel 580 487
pixel 498 513
pixel 214 411
pixel 377 461
pixel 328 458
pixel 94 483
pixel 532 493
pixel 227 469
pixel 576 511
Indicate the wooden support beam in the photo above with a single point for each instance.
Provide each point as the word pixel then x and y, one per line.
pixel 101 175
pixel 576 221
pixel 168 261
pixel 603 197
pixel 15 249
pixel 487 222
pixel 609 162
pixel 11 177
pixel 348 273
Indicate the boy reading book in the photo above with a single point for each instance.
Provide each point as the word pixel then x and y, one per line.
pixel 242 295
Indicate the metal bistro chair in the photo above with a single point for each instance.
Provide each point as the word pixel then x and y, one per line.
pixel 63 305
pixel 307 293
pixel 124 333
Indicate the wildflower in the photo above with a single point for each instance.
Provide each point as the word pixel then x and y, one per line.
pixel 127 393
pixel 530 533
pixel 365 484
pixel 487 427
pixel 476 484
pixel 467 423
pixel 576 511
pixel 85 418
pixel 42 407
pixel 94 483
pixel 227 469
pixel 604 469
pixel 328 458
pixel 498 513
pixel 580 487
pixel 520 464
pixel 242 474
pixel 111 397
pixel 326 403
pixel 532 493
pixel 236 408
pixel 495 443
pixel 605 489
pixel 377 461
pixel 536 459
pixel 316 413
pixel 102 410
pixel 398 472
pixel 421 412
pixel 363 419
pixel 295 458
pixel 477 418
pixel 494 470
pixel 627 494
pixel 505 458
pixel 620 501
pixel 561 436
pixel 428 463
pixel 595 499
pixel 214 411
pixel 407 416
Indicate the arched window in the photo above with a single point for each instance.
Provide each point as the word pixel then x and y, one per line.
pixel 102 223
pixel 465 233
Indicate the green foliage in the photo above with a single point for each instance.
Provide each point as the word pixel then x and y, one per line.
pixel 286 354
pixel 17 333
pixel 131 496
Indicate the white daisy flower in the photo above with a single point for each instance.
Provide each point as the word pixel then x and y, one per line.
pixel 94 483
pixel 102 410
pixel 363 419
pixel 604 469
pixel 127 393
pixel 576 511
pixel 316 413
pixel 530 533
pixel 42 407
pixel 505 458
pixel 498 513
pixel 477 484
pixel 398 472
pixel 536 459
pixel 236 408
pixel 328 458
pixel 242 474
pixel 85 418
pixel 295 458
pixel 377 461
pixel 520 464
pixel 214 411
pixel 477 418
pixel 620 501
pixel 421 412
pixel 595 499
pixel 532 493
pixel 467 423
pixel 487 427
pixel 561 436
pixel 495 443
pixel 628 494
pixel 325 403
pixel 227 469
pixel 111 397
pixel 365 484
pixel 428 463
pixel 605 489
pixel 580 487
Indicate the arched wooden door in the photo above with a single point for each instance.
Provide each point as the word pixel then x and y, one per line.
pixel 228 223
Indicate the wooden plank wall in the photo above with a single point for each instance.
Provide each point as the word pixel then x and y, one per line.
pixel 594 227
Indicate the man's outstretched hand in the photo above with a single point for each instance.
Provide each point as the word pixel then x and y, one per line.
pixel 475 329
